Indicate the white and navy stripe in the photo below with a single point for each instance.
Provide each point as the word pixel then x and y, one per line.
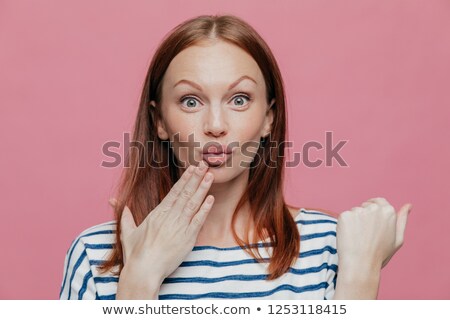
pixel 215 273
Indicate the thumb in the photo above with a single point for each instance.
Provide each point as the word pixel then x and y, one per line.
pixel 112 202
pixel 127 224
pixel 402 219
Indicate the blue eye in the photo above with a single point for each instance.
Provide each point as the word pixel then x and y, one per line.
pixel 190 99
pixel 240 97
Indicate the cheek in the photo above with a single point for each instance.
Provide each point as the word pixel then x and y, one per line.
pixel 248 133
pixel 182 134
pixel 178 124
pixel 247 127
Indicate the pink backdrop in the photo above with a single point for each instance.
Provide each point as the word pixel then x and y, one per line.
pixel 375 73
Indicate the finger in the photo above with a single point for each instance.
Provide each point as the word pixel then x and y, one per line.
pixel 190 187
pixel 386 207
pixel 127 224
pixel 198 219
pixel 113 202
pixel 177 188
pixel 371 206
pixel 380 201
pixel 357 209
pixel 193 205
pixel 402 219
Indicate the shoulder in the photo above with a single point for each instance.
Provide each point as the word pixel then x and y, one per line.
pixel 314 223
pixel 299 212
pixel 99 231
pixel 100 236
pixel 88 249
pixel 320 213
pixel 318 245
pixel 323 211
pixel 93 240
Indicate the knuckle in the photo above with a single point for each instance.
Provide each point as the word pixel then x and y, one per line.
pixel 357 209
pixel 196 222
pixel 151 221
pixel 197 173
pixel 344 215
pixel 191 205
pixel 152 215
pixel 204 186
pixel 186 194
pixel 176 190
pixel 185 177
pixel 387 212
pixel 162 210
pixel 388 209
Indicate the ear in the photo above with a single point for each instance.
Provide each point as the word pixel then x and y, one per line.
pixel 268 120
pixel 162 132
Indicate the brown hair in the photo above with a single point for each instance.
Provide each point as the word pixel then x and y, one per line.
pixel 146 180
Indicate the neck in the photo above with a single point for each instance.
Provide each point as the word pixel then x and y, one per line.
pixel 217 226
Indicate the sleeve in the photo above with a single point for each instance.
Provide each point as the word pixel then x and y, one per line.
pixel 78 282
pixel 332 272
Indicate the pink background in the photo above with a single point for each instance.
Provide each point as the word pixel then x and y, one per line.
pixel 375 73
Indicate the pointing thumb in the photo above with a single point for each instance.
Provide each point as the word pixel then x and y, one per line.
pixel 127 224
pixel 112 202
pixel 402 219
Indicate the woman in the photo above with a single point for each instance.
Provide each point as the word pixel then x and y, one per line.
pixel 200 210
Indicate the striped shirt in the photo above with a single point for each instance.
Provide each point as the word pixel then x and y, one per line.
pixel 210 272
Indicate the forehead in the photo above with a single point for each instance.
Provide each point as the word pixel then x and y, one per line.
pixel 217 62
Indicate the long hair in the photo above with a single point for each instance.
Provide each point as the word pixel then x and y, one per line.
pixel 145 180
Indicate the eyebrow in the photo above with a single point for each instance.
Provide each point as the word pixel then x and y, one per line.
pixel 234 84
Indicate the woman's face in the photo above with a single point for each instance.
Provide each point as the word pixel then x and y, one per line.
pixel 214 94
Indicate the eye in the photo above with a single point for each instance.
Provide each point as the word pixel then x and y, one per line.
pixel 191 102
pixel 240 100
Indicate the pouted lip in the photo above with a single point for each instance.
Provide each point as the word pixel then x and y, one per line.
pixel 216 159
pixel 216 148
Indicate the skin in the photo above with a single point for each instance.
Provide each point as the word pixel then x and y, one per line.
pixel 367 235
pixel 216 114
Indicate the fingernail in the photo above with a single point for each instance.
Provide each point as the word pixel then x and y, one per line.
pixel 202 166
pixel 410 208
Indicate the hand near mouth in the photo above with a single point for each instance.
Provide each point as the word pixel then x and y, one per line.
pixel 155 248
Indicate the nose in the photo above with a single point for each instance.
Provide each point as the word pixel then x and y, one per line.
pixel 215 123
